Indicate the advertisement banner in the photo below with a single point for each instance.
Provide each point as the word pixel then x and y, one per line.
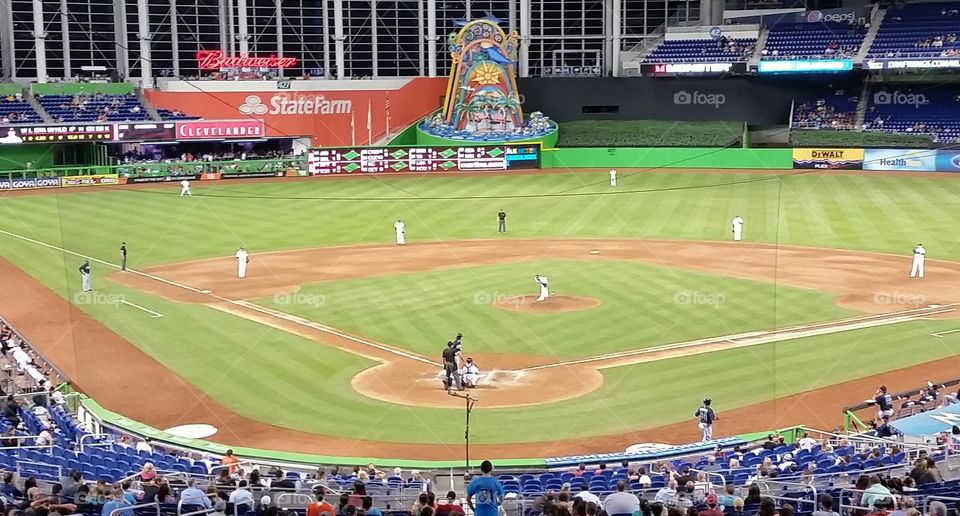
pixel 948 161
pixel 910 160
pixel 162 179
pixel 805 66
pixel 157 131
pixel 348 160
pixel 63 133
pixel 322 113
pixel 22 184
pixel 666 69
pixel 94 180
pixel 250 175
pixel 843 159
pixel 910 64
pixel 219 129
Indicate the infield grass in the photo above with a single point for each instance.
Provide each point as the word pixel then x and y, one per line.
pixel 874 213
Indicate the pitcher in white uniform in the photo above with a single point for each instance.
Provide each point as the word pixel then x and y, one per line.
pixel 918 258
pixel 185 188
pixel 243 258
pixel 400 228
pixel 613 178
pixel 544 292
pixel 737 224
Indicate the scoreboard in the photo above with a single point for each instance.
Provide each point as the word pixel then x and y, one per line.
pixel 348 160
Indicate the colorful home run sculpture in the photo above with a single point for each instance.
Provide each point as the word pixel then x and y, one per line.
pixel 482 101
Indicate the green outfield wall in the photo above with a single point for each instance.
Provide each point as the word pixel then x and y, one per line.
pixel 667 157
pixel 75 88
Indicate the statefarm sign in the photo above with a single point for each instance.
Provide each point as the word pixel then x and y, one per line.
pixel 216 59
pixel 214 130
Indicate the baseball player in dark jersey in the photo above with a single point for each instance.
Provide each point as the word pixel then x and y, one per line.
pixel 452 378
pixel 85 276
pixel 884 403
pixel 706 417
pixel 502 222
pixel 123 256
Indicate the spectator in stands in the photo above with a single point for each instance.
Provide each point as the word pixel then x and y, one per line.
pixel 368 508
pixel 318 508
pixel 936 508
pixel 116 502
pixel 725 500
pixel 931 473
pixel 266 508
pixel 587 496
pixel 282 482
pixel 786 510
pixel 148 471
pixel 826 507
pixel 876 491
pixel 224 478
pixel 667 495
pixel 769 444
pixel 622 501
pixel 906 503
pixel 359 491
pixel 642 478
pixel 487 490
pixel 767 507
pixel 581 469
pixel 9 488
pixel 418 506
pixel 129 493
pixel 231 461
pixel 73 484
pixel 753 494
pixel 712 509
pixel 450 506
pixel 144 446
pixel 193 496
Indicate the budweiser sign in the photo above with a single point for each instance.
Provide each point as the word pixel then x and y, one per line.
pixel 216 59
pixel 213 130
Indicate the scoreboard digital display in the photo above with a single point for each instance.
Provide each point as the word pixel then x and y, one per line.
pixel 480 158
pixel 58 133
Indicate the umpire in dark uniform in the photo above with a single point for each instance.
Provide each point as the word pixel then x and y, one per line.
pixel 123 256
pixel 452 379
pixel 502 222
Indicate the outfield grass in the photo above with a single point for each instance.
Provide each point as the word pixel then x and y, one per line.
pixel 876 213
pixel 641 305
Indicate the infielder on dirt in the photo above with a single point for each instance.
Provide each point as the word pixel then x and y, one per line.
pixel 544 291
pixel 918 257
pixel 400 228
pixel 243 258
pixel 185 188
pixel 737 225
pixel 613 178
pixel 706 417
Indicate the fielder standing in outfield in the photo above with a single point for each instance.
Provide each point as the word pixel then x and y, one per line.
pixel 243 258
pixel 85 276
pixel 502 221
pixel 123 256
pixel 613 178
pixel 737 225
pixel 706 417
pixel 919 254
pixel 185 188
pixel 400 228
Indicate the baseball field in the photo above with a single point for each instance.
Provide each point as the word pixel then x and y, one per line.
pixel 332 342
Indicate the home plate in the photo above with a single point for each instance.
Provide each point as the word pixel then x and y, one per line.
pixel 594 251
pixel 206 291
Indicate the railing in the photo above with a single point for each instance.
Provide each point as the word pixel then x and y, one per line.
pixel 150 169
pixel 936 498
pixel 123 510
pixel 848 494
pixel 80 442
pixel 36 469
pixel 48 447
pixel 288 499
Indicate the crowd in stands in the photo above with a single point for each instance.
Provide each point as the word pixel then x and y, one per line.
pixel 835 111
pixel 918 30
pixel 14 109
pixel 814 41
pixel 723 49
pixel 97 107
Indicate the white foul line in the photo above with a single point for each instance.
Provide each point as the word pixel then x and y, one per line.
pixel 251 306
pixel 940 334
pixel 149 311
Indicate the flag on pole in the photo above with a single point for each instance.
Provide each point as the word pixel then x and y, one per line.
pixel 387 109
pixel 369 121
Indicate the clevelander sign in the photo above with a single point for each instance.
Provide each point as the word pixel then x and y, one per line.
pixel 845 159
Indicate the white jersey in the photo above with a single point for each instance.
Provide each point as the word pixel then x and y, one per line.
pixel 541 280
pixel 399 226
pixel 737 223
pixel 242 255
pixel 919 252
pixel 185 184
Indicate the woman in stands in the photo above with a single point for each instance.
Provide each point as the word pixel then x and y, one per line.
pixel 753 494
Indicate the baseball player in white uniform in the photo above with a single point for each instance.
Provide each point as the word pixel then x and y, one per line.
pixel 470 374
pixel 185 188
pixel 243 258
pixel 400 228
pixel 918 258
pixel 613 178
pixel 544 292
pixel 737 224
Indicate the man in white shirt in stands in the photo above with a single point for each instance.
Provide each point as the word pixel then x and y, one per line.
pixel 588 497
pixel 144 446
pixel 621 502
pixel 807 443
pixel 667 495
pixel 193 496
pixel 242 496
pixel 45 438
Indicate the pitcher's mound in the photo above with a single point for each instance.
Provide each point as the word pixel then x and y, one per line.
pixel 552 304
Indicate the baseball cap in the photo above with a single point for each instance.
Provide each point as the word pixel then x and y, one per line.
pixel 265 500
pixel 711 499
